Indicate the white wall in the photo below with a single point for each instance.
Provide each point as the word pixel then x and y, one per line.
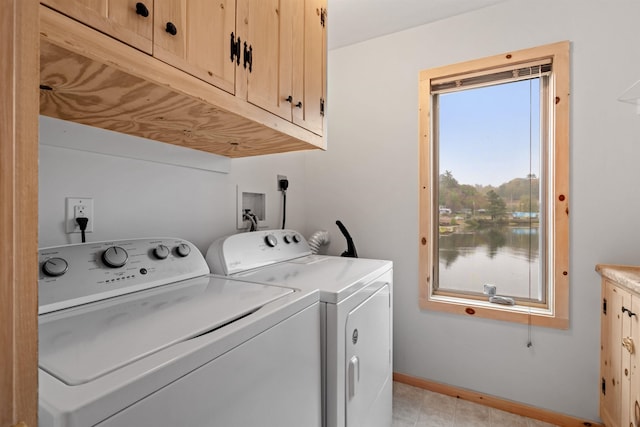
pixel 369 176
pixel 135 198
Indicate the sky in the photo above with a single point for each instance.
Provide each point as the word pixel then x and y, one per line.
pixel 485 133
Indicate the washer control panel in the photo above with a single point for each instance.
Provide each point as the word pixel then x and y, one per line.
pixel 245 251
pixel 71 275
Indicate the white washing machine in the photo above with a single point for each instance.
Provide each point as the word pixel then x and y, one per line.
pixel 356 316
pixel 138 333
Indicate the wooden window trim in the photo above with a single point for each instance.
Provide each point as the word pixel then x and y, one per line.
pixel 557 313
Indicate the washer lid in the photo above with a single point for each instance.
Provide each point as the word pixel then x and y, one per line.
pixel 81 344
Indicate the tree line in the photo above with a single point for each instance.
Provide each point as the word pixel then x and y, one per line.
pixel 516 195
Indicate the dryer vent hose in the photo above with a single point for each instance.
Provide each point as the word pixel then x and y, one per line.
pixel 317 239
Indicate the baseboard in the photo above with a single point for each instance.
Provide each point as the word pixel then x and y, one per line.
pixel 496 402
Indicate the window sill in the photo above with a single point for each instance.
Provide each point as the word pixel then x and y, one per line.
pixel 544 317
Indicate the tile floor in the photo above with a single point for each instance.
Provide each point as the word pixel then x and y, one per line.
pixel 414 407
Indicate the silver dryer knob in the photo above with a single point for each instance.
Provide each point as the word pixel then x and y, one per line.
pixel 54 267
pixel 183 249
pixel 270 240
pixel 115 256
pixel 161 252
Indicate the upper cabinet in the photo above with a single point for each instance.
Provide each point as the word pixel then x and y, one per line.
pixel 129 21
pixel 193 35
pixel 283 46
pixel 231 77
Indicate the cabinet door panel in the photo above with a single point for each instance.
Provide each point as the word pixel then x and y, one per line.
pixel 310 69
pixel 625 374
pixel 634 401
pixel 264 35
pixel 610 406
pixel 200 45
pixel 117 18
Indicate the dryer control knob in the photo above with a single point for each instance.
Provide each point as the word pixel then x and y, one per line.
pixel 296 238
pixel 115 256
pixel 270 240
pixel 161 252
pixel 183 249
pixel 287 239
pixel 54 267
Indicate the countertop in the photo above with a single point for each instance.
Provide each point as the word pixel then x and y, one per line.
pixel 626 276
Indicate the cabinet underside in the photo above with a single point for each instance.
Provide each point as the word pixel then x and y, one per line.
pixel 89 78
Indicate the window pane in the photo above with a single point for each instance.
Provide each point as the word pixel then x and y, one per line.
pixel 490 190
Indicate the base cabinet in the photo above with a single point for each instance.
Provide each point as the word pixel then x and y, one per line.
pixel 620 338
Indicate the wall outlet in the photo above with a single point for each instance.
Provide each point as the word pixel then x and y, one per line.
pixel 278 181
pixel 79 207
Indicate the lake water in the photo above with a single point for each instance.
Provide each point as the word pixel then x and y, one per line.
pixel 506 257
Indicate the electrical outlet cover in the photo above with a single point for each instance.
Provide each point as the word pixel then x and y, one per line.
pixel 79 206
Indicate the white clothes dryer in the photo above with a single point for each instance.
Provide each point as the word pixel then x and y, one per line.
pixel 138 333
pixel 356 316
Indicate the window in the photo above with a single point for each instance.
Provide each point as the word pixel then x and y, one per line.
pixel 494 182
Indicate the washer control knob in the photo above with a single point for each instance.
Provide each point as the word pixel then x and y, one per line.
pixel 270 240
pixel 296 238
pixel 54 267
pixel 287 239
pixel 183 249
pixel 115 256
pixel 161 252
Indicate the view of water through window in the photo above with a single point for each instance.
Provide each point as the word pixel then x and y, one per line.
pixel 489 190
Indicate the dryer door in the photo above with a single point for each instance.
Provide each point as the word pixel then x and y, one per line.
pixel 368 362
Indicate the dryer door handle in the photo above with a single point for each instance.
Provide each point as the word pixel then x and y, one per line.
pixel 354 375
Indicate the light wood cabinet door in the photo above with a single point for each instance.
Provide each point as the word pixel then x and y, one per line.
pixel 286 41
pixel 611 358
pixel 265 31
pixel 129 21
pixel 309 66
pixel 194 36
pixel 634 386
pixel 625 344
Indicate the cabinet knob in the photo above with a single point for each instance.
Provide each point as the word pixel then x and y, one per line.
pixel 626 310
pixel 628 344
pixel 289 99
pixel 299 104
pixel 142 10
pixel 171 29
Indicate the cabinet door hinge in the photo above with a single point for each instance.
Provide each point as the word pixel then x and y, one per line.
pixel 248 56
pixel 604 306
pixel 604 387
pixel 323 17
pixel 235 49
pixel 322 106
